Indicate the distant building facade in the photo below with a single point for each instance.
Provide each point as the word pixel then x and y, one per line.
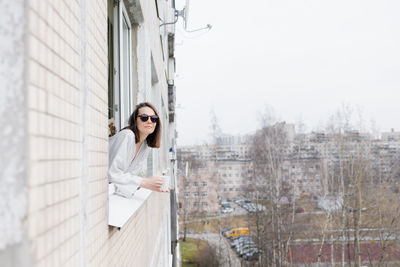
pixel 305 164
pixel 223 168
pixel 197 194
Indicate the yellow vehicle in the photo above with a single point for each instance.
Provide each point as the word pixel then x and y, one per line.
pixel 238 231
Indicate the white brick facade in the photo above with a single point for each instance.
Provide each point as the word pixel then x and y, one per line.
pixel 66 185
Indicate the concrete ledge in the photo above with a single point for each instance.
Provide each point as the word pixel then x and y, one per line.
pixel 121 209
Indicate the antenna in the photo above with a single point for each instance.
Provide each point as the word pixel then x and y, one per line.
pixel 186 14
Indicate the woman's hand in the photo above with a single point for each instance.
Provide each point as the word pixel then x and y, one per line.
pixel 153 183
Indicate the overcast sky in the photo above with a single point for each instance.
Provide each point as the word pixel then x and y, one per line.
pixel 302 58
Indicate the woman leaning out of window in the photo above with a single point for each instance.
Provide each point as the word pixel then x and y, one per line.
pixel 129 149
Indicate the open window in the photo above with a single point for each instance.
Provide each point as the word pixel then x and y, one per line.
pixel 121 99
pixel 120 96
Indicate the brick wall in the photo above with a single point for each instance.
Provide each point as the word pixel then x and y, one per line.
pixel 67 69
pixel 54 127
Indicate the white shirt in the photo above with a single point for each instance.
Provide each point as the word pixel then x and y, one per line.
pixel 125 171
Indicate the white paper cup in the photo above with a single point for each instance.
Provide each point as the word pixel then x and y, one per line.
pixel 165 185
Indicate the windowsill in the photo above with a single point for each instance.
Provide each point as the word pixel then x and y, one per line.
pixel 121 209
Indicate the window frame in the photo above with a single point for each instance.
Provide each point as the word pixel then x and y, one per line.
pixel 122 61
pixel 121 209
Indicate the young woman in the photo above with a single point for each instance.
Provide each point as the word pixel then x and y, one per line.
pixel 129 149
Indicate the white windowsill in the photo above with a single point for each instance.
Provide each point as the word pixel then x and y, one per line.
pixel 121 209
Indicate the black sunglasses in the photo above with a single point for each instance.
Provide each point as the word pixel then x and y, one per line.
pixel 145 117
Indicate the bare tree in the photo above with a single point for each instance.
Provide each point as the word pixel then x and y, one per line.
pixel 189 165
pixel 270 150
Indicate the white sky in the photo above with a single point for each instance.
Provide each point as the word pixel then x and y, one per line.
pixel 302 58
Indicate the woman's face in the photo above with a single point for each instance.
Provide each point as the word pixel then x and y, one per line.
pixel 145 127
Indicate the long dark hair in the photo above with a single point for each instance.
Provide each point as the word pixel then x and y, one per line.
pixel 154 139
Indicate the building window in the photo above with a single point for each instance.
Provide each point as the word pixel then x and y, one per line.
pixel 195 184
pixel 204 184
pixel 204 193
pixel 195 194
pixel 120 96
pixel 120 89
pixel 195 204
pixel 125 69
pixel 204 204
pixel 187 194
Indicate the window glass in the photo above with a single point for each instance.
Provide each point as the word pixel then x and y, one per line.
pixel 120 97
pixel 110 41
pixel 126 96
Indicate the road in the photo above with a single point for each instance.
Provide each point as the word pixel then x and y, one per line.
pixel 237 211
pixel 229 256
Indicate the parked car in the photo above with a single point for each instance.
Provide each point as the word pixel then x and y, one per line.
pixel 248 250
pixel 299 210
pixel 251 255
pixel 241 242
pixel 238 231
pixel 241 249
pixel 233 239
pixel 350 209
pixel 227 210
pixel 226 205
pixel 239 200
pixel 225 230
pixel 245 245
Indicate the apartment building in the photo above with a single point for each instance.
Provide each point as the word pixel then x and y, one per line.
pixel 234 178
pixel 232 170
pixel 391 136
pixel 197 193
pixel 305 176
pixel 72 73
pixel 383 154
pixel 223 168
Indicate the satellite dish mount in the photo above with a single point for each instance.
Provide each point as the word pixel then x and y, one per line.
pixel 184 14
